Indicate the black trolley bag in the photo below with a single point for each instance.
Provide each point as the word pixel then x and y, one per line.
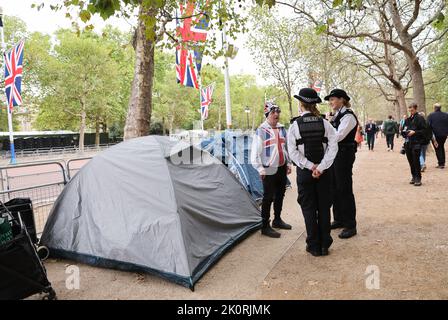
pixel 22 273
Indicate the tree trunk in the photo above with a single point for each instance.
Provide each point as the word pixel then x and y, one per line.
pixel 393 78
pixel 97 132
pixel 219 117
pixel 82 129
pixel 411 57
pixel 402 107
pixel 163 126
pixel 418 84
pixel 171 124
pixel 290 105
pixel 140 102
pixel 397 110
pixel 253 117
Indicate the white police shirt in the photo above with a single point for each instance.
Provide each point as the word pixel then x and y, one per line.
pixel 297 154
pixel 347 123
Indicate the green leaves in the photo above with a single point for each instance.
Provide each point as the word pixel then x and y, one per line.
pixel 351 4
pixel 439 22
pixel 88 68
pixel 337 3
pixel 148 4
pixel 85 16
pixel 269 3
pixel 321 29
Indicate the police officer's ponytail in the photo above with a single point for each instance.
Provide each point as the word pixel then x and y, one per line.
pixel 347 104
pixel 311 107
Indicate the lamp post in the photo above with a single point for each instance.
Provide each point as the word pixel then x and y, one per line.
pixel 9 105
pixel 247 110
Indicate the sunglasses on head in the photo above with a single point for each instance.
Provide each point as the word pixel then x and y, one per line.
pixel 276 110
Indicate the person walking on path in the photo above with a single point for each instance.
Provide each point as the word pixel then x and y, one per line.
pixel 269 156
pixel 438 121
pixel 359 137
pixel 390 128
pixel 371 130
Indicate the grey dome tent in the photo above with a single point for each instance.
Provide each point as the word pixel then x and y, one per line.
pixel 140 206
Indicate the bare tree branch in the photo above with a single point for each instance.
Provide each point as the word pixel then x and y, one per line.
pixel 429 21
pixel 414 15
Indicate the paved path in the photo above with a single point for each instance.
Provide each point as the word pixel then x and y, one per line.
pixel 402 233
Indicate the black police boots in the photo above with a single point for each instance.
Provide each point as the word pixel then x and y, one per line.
pixel 347 233
pixel 313 252
pixel 336 225
pixel 280 224
pixel 268 231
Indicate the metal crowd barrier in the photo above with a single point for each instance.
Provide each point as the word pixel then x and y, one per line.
pixel 41 181
pixel 74 165
pixel 59 151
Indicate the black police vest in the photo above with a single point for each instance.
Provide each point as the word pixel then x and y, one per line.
pixel 312 132
pixel 349 140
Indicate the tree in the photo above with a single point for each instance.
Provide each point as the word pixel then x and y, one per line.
pixel 153 19
pixel 14 31
pixel 410 21
pixel 275 43
pixel 78 82
pixel 437 75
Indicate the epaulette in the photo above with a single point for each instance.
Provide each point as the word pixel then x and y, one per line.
pixel 294 119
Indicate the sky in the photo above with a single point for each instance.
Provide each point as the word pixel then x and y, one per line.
pixel 48 21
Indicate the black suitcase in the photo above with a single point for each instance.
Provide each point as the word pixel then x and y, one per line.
pixel 25 207
pixel 22 273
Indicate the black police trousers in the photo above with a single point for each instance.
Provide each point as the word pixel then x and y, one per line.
pixel 344 206
pixel 413 156
pixel 315 201
pixel 274 187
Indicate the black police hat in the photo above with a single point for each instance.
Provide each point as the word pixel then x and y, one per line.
pixel 338 93
pixel 308 95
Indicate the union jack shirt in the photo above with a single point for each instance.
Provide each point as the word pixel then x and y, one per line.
pixel 269 149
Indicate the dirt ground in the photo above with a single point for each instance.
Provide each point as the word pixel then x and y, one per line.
pixel 402 234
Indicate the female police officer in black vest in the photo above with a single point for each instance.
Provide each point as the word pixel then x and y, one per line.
pixel 312 147
pixel 346 124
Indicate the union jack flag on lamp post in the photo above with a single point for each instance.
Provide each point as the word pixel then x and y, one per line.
pixel 206 100
pixel 13 81
pixel 13 75
pixel 192 30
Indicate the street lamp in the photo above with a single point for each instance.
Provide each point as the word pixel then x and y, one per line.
pixel 247 110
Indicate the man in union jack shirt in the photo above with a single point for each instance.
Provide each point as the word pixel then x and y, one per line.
pixel 270 157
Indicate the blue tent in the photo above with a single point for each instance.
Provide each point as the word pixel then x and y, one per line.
pixel 233 149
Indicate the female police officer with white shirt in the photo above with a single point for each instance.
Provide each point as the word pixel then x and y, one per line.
pixel 312 147
pixel 346 123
